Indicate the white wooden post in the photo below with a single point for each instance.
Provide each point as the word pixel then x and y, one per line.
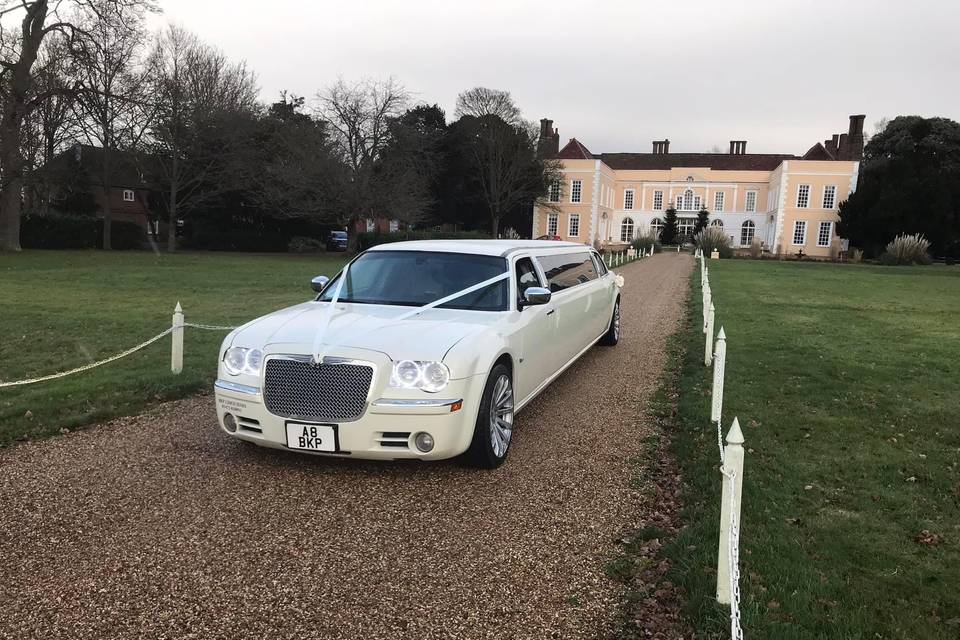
pixel 719 364
pixel 729 507
pixel 176 351
pixel 651 249
pixel 708 341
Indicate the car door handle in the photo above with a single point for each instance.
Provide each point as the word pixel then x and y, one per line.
pixel 551 311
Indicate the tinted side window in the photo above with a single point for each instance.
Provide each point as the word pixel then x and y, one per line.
pixel 568 270
pixel 526 276
pixel 598 264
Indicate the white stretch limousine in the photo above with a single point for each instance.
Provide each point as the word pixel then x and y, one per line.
pixel 418 349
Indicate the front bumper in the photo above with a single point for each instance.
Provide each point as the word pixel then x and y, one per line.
pixel 385 431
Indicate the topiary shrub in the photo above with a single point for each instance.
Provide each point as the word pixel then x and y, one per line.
pixel 302 244
pixel 907 249
pixel 756 248
pixel 713 238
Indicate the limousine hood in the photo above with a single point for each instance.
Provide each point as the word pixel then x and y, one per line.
pixel 427 336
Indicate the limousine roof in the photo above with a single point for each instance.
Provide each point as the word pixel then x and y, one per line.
pixel 482 247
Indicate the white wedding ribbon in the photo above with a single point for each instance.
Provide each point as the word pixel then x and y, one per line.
pixel 319 344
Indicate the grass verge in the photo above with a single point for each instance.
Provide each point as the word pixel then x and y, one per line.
pixel 64 309
pixel 847 384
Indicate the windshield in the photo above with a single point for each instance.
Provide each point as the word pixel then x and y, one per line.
pixel 417 278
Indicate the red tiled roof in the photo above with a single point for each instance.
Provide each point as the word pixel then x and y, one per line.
pixel 574 150
pixel 717 161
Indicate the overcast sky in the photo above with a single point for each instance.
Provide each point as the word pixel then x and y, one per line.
pixel 617 74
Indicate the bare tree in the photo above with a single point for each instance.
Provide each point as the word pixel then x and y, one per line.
pixel 110 102
pixel 510 173
pixel 19 49
pixel 481 101
pixel 52 123
pixel 359 117
pixel 503 152
pixel 200 99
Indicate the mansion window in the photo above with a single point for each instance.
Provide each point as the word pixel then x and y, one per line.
pixel 658 200
pixel 685 227
pixel 747 231
pixel 689 202
pixel 824 234
pixel 717 223
pixel 829 196
pixel 750 204
pixel 628 199
pixel 574 225
pixel 718 201
pixel 576 190
pixel 128 195
pixel 803 196
pixel 626 230
pixel 394 226
pixel 800 232
pixel 371 225
pixel 555 192
pixel 552 224
pixel 657 226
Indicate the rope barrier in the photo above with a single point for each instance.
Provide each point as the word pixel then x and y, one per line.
pixel 208 327
pixel 122 354
pixel 87 367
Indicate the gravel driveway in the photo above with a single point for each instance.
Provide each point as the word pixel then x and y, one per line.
pixel 160 526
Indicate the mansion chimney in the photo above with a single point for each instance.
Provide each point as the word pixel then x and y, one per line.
pixel 738 147
pixel 855 137
pixel 661 146
pixel 549 143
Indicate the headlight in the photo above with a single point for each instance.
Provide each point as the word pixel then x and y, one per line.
pixel 426 375
pixel 238 360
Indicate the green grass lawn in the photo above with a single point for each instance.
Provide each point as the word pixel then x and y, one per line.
pixel 63 309
pixel 846 381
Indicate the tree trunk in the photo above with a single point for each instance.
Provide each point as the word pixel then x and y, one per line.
pixel 10 215
pixel 172 211
pixel 495 223
pixel 11 124
pixel 107 184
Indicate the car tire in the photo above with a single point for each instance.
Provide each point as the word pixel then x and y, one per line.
pixel 612 336
pixel 493 431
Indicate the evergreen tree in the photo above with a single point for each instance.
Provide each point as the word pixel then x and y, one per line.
pixel 703 218
pixel 668 234
pixel 909 183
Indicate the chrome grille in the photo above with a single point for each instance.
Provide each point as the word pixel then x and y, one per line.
pixel 329 391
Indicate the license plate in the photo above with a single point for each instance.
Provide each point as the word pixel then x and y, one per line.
pixel 311 437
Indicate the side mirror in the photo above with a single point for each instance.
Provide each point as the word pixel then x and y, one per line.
pixel 534 296
pixel 319 283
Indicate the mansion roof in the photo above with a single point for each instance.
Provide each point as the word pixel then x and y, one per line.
pixel 842 146
pixel 575 150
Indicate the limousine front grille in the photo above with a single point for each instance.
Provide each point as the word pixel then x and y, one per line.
pixel 335 392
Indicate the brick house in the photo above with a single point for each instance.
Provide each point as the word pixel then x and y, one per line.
pixel 131 195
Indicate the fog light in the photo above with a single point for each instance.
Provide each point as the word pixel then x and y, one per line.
pixel 423 441
pixel 229 422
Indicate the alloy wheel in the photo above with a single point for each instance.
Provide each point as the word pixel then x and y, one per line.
pixel 501 416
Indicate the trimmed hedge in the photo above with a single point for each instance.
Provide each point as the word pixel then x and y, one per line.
pixel 64 231
pixel 372 239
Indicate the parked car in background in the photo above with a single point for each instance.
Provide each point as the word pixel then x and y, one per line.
pixel 548 237
pixel 423 349
pixel 337 241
